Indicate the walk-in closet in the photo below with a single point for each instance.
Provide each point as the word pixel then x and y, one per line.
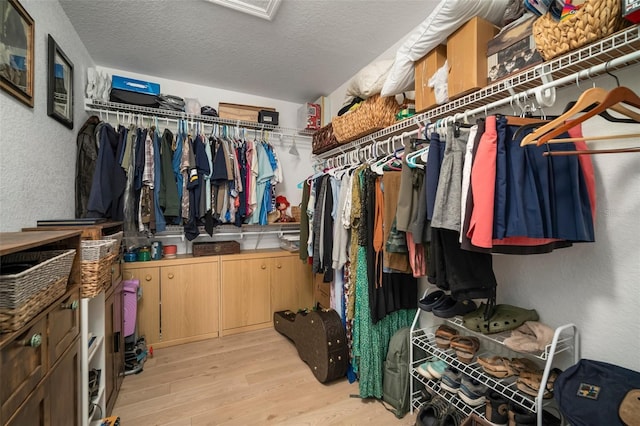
pixel 323 212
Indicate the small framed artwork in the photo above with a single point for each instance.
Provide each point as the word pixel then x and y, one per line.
pixel 16 51
pixel 59 85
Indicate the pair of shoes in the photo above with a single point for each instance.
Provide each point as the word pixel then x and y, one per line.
pixel 450 380
pixel 449 307
pixel 529 382
pixel 432 412
pixel 465 347
pixel 432 369
pixel 444 333
pixel 430 300
pixel 452 417
pixel 472 391
pixel 502 367
pixel 496 409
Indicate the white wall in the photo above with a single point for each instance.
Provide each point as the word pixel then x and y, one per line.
pixel 37 153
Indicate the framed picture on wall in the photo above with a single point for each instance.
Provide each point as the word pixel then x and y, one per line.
pixel 59 85
pixel 16 51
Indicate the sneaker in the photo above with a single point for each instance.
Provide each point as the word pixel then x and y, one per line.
pixel 432 412
pixel 452 417
pixel 450 380
pixel 518 416
pixel 496 409
pixel 471 391
pixel 422 370
pixel 436 368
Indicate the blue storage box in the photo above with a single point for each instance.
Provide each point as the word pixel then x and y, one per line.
pixel 135 92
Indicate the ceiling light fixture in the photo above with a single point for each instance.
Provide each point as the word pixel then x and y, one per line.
pixel 265 9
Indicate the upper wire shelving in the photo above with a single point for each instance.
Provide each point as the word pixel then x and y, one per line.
pixel 98 105
pixel 606 51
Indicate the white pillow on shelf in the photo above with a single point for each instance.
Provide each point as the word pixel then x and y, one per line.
pixel 448 16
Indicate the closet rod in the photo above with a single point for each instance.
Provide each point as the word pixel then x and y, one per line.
pixel 582 74
pixel 97 106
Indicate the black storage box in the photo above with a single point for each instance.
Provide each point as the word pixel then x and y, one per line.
pixel 268 117
pixel 134 92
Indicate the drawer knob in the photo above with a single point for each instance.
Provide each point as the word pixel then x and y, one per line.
pixel 73 305
pixel 170 276
pixel 263 266
pixel 34 342
pixel 148 278
pixel 279 266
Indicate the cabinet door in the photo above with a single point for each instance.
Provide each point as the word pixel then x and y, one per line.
pixel 34 411
pixel 64 325
pixel 189 300
pixel 245 292
pixel 23 363
pixel 64 389
pixel 114 345
pixel 291 286
pixel 148 310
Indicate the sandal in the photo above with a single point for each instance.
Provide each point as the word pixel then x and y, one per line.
pixel 465 347
pixel 497 366
pixel 524 365
pixel 529 382
pixel 444 333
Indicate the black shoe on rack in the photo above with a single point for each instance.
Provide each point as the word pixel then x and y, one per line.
pixel 496 409
pixel 432 412
pixel 452 417
pixel 519 416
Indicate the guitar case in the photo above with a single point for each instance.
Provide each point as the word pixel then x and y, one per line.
pixel 320 339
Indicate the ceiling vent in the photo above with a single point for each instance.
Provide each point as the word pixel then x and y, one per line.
pixel 265 9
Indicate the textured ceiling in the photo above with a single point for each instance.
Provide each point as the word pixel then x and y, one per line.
pixel 309 49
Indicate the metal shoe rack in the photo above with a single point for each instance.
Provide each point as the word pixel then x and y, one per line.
pixel 565 340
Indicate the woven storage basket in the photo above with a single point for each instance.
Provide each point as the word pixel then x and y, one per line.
pixel 94 250
pixel 14 319
pixel 323 140
pixel 373 114
pixel 296 213
pixel 95 275
pixel 118 238
pixel 595 20
pixel 49 267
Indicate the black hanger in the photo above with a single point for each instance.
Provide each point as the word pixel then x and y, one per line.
pixel 603 114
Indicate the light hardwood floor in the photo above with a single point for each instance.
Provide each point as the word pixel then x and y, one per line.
pixel 254 378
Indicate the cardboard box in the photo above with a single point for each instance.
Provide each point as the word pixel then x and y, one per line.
pixel 241 112
pixel 424 70
pixel 513 50
pixel 309 116
pixel 475 420
pixel 467 56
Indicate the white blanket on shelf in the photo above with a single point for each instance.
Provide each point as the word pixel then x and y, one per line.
pixel 447 17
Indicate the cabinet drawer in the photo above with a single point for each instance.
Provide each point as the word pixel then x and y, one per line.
pixel 35 411
pixel 23 363
pixel 64 325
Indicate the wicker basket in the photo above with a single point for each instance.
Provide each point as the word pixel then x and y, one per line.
pixel 14 319
pixel 296 213
pixel 94 250
pixel 49 267
pixel 95 275
pixel 373 114
pixel 323 140
pixel 595 20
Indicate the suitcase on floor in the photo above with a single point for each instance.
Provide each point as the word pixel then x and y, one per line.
pixel 320 339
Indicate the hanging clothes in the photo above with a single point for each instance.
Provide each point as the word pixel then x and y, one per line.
pixel 86 158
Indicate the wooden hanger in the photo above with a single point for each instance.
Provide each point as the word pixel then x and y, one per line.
pixel 594 95
pixel 615 96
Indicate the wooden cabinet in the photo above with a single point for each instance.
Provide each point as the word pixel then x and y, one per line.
pixel 180 299
pixel 193 298
pixel 39 363
pixel 114 344
pixel 254 285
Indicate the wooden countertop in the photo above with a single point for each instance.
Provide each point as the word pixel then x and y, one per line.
pixel 12 242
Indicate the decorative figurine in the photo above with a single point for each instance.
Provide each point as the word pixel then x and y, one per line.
pixel 282 205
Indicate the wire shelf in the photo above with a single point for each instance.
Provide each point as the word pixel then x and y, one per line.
pixel 613 47
pixel 565 342
pixel 107 106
